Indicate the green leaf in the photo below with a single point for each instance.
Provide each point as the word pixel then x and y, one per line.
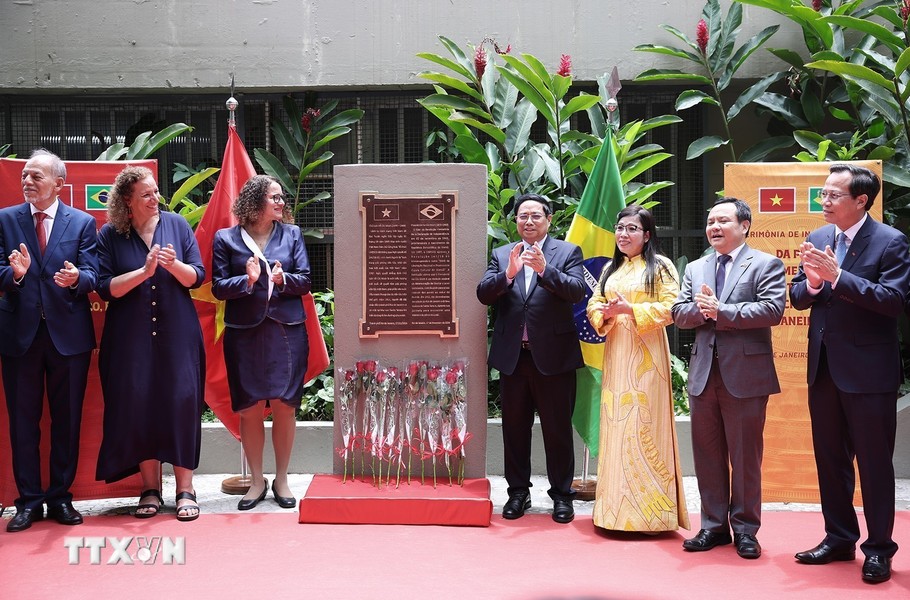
pixel 744 52
pixel 704 144
pixel 335 133
pixel 531 94
pixel 849 70
pixel 505 98
pixel 576 104
pixel 670 75
pixel 190 184
pixel 519 131
pixel 882 34
pixel 287 142
pixel 684 39
pixel 295 127
pixel 634 168
pixel 644 192
pixel 788 56
pixel 448 63
pixel 308 168
pixel 783 107
pixel 345 117
pixel 451 82
pixel 752 92
pixel 471 150
pixel 491 130
pixel 759 151
pixel 466 62
pixel 691 98
pixel 560 85
pixel 882 153
pixel 274 167
pixel 840 114
pixel 809 140
pixel 903 61
pixel 813 109
pixel 530 78
pixel 114 152
pixel 456 103
pixel 677 52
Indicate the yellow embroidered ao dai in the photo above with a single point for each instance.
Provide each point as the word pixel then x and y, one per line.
pixel 639 482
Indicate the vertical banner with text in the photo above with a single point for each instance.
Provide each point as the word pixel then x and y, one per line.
pixel 785 203
pixel 86 188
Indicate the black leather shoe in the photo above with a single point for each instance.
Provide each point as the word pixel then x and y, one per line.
pixel 876 569
pixel 823 554
pixel 248 504
pixel 516 506
pixel 283 501
pixel 705 540
pixel 563 511
pixel 64 514
pixel 24 519
pixel 747 545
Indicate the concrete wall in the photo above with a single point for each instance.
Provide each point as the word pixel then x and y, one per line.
pixel 131 45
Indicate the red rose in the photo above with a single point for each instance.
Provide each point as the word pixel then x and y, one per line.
pixel 370 366
pixel 380 376
pixel 451 377
pixel 412 369
pixel 433 374
pixel 360 366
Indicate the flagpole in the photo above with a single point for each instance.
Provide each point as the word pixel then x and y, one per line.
pixel 236 484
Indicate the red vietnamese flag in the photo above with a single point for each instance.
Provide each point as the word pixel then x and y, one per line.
pixel 777 200
pixel 236 169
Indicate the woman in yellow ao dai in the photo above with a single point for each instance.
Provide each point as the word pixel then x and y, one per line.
pixel 639 482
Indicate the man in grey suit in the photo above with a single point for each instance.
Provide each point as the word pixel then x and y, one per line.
pixel 731 298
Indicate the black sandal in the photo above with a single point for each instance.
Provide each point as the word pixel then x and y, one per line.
pixel 148 505
pixel 186 507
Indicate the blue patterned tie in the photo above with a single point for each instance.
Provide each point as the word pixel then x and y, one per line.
pixel 721 277
pixel 840 249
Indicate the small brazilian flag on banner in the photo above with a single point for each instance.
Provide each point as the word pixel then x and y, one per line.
pixel 96 197
pixel 815 200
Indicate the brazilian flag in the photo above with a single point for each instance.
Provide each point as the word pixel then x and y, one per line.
pixel 592 230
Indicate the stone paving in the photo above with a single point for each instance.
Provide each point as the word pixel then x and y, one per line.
pixel 212 500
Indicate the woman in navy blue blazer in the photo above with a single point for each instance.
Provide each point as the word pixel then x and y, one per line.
pixel 260 268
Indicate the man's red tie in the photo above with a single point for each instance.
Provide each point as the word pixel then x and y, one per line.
pixel 39 231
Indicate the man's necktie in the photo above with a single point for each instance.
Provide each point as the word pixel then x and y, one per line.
pixel 721 277
pixel 39 231
pixel 840 249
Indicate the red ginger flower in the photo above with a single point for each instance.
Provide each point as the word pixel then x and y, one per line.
pixel 565 66
pixel 480 61
pixel 306 121
pixel 905 11
pixel 816 5
pixel 701 35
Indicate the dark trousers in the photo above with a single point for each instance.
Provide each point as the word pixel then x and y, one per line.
pixel 847 426
pixel 553 396
pixel 727 448
pixel 24 381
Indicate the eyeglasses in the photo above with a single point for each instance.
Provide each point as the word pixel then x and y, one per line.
pixel 277 198
pixel 830 195
pixel 630 229
pixel 533 217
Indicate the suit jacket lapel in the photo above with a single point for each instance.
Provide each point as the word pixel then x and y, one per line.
pixel 27 223
pixel 858 244
pixel 61 222
pixel 709 275
pixel 519 277
pixel 549 253
pixel 739 266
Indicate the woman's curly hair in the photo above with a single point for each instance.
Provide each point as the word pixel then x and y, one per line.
pixel 250 203
pixel 118 211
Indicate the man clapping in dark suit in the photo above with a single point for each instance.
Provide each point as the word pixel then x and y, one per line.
pixel 47 268
pixel 532 286
pixel 856 293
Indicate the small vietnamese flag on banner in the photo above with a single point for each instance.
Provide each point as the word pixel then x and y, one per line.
pixel 777 200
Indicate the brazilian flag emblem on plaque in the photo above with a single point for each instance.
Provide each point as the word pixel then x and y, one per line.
pixel 96 196
pixel 815 200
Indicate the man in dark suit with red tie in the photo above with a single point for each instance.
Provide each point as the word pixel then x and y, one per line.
pixel 853 277
pixel 47 268
pixel 532 286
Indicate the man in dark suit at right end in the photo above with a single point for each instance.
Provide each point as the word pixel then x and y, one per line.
pixel 856 293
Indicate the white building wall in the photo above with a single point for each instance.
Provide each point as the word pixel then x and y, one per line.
pixel 286 45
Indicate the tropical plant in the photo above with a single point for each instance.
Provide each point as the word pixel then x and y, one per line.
pixel 491 111
pixel 304 143
pixel 318 402
pixel 4 149
pixel 715 54
pixel 145 145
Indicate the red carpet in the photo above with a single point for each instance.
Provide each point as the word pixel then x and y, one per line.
pixel 328 500
pixel 270 555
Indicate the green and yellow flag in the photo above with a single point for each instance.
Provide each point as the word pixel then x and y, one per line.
pixel 592 230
